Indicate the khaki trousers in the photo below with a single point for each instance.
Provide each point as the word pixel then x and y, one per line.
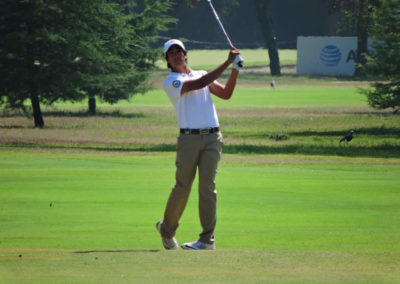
pixel 201 152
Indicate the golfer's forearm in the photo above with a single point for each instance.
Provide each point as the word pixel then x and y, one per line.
pixel 225 91
pixel 206 79
pixel 214 74
pixel 230 84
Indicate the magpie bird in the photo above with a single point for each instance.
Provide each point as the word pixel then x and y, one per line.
pixel 348 137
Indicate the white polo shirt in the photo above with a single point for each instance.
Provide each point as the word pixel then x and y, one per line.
pixel 195 109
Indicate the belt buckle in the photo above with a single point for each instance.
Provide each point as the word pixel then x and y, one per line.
pixel 187 131
pixel 205 131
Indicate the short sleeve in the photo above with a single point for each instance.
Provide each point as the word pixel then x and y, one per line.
pixel 173 87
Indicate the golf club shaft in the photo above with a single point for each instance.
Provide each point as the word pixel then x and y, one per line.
pixel 220 23
pixel 223 30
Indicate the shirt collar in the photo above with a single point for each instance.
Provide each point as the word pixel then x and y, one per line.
pixel 185 74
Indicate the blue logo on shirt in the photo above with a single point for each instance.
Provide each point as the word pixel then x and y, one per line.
pixel 176 83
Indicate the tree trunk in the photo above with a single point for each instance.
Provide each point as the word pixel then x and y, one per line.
pixel 92 105
pixel 33 88
pixel 264 17
pixel 362 38
pixel 37 113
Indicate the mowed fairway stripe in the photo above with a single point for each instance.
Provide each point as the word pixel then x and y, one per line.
pixel 288 96
pixel 292 96
pixel 285 223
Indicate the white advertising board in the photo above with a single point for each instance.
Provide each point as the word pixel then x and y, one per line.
pixel 326 55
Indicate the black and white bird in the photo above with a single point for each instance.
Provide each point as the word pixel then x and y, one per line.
pixel 348 137
pixel 273 84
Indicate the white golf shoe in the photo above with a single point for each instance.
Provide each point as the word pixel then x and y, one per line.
pixel 197 245
pixel 169 243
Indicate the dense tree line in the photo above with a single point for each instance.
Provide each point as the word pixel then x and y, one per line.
pixel 357 18
pixel 71 50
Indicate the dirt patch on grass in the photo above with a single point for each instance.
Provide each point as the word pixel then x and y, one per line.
pixel 261 76
pixel 291 69
pixel 297 113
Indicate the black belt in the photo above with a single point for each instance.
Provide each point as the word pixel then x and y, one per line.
pixel 199 131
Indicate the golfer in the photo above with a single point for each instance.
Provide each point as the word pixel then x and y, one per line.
pixel 199 144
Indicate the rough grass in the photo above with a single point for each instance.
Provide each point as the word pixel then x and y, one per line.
pixel 60 266
pixel 313 118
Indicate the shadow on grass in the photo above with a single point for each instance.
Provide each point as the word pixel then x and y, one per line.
pixel 382 151
pixel 116 251
pixel 115 113
pixel 344 150
pixel 11 126
pixel 372 131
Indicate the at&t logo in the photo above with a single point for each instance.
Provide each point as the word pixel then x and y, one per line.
pixel 330 55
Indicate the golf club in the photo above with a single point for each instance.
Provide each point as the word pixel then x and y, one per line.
pixel 241 62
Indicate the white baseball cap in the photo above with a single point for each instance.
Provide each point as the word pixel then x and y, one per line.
pixel 172 42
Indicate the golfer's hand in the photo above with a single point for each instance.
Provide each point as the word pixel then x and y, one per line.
pixel 237 59
pixel 232 54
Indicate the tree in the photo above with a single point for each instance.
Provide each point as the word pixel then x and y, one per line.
pixel 264 16
pixel 35 61
pixel 67 50
pixel 386 61
pixel 126 71
pixel 357 17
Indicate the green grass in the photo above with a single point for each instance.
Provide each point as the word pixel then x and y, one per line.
pixel 305 209
pixel 208 59
pixel 254 96
pixel 294 96
pixel 280 220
